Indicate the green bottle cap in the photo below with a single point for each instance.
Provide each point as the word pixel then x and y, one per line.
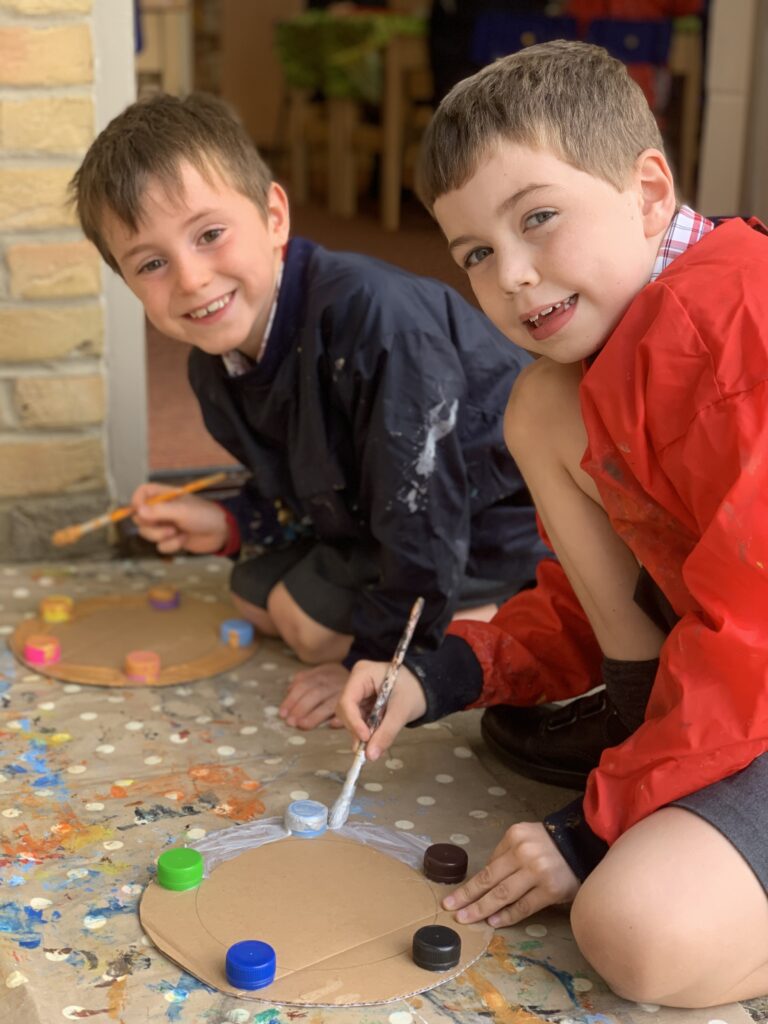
pixel 180 869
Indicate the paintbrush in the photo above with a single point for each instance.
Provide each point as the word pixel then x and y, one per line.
pixel 72 533
pixel 340 810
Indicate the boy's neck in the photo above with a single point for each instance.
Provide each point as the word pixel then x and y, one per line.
pixel 242 359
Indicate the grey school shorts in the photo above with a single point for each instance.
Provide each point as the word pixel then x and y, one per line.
pixel 738 808
pixel 325 581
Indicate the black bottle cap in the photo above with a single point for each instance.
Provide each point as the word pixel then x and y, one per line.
pixel 444 862
pixel 436 948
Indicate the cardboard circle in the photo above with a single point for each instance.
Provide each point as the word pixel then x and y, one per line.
pixel 102 630
pixel 339 914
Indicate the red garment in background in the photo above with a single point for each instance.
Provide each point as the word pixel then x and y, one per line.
pixel 676 412
pixel 633 10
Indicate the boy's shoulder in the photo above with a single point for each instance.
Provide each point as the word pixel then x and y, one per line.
pixel 727 269
pixel 701 328
pixel 362 303
pixel 359 270
pixel 736 245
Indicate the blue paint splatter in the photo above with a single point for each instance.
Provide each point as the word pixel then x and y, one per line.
pixel 111 909
pixel 565 979
pixel 35 761
pixel 21 924
pixel 271 1016
pixel 181 991
pixel 59 884
pixel 14 881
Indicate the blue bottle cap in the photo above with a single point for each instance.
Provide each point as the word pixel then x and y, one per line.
pixel 236 633
pixel 307 818
pixel 250 964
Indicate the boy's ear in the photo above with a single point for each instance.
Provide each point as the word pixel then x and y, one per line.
pixel 278 215
pixel 656 190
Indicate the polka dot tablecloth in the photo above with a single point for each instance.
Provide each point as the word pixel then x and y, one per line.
pixel 95 783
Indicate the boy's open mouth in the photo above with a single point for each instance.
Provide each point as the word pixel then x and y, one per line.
pixel 213 307
pixel 550 313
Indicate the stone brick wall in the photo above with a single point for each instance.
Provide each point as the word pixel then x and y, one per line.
pixel 52 388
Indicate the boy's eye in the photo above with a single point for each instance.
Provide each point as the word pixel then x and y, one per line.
pixel 211 235
pixel 476 256
pixel 534 220
pixel 150 266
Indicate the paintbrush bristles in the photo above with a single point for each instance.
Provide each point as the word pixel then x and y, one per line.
pixel 340 810
pixel 66 536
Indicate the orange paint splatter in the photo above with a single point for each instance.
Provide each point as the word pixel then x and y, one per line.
pixel 116 998
pixel 228 782
pixel 502 1012
pixel 65 837
pixel 497 948
pixel 238 809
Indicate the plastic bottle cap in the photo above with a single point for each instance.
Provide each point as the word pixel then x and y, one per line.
pixel 142 666
pixel 446 863
pixel 163 597
pixel 42 649
pixel 236 633
pixel 179 869
pixel 307 818
pixel 436 948
pixel 250 964
pixel 56 608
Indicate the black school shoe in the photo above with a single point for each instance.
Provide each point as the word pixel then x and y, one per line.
pixel 558 745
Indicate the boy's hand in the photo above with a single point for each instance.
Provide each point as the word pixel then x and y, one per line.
pixel 313 695
pixel 406 704
pixel 187 523
pixel 525 874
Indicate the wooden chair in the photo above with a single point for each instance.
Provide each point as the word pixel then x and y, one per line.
pixel 336 126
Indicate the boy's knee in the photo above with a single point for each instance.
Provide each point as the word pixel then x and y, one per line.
pixel 311 643
pixel 628 940
pixel 260 617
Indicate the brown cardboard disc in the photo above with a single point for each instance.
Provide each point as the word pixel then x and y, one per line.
pixel 102 630
pixel 340 916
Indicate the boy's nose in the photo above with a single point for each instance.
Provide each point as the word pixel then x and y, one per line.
pixel 516 271
pixel 191 275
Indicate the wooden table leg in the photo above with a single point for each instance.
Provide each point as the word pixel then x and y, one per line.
pixel 343 116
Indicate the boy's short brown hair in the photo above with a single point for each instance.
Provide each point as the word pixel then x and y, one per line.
pixel 572 98
pixel 149 140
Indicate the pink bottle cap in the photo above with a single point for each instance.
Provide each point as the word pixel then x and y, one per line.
pixel 142 666
pixel 42 649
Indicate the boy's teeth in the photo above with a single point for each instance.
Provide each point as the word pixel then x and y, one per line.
pixel 534 320
pixel 212 307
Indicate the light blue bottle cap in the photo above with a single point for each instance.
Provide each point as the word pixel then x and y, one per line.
pixel 306 818
pixel 250 964
pixel 236 633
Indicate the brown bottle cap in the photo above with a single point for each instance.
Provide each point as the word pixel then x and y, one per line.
pixel 446 863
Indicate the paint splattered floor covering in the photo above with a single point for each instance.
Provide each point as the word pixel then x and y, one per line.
pixel 95 783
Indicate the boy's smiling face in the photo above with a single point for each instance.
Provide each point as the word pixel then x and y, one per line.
pixel 555 255
pixel 204 263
